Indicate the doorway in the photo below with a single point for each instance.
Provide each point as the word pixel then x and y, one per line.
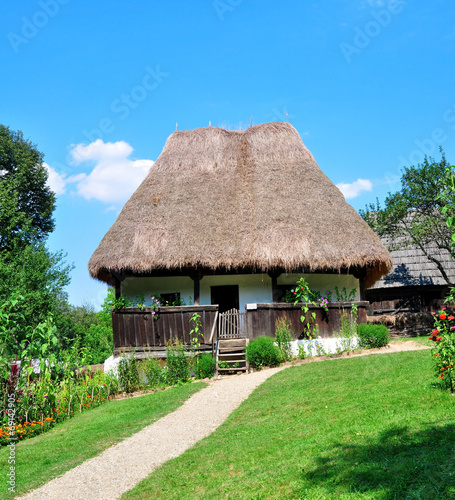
pixel 226 296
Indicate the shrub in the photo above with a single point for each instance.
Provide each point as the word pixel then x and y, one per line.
pixel 283 338
pixel 204 366
pixel 371 336
pixel 177 363
pixel 262 352
pixel 443 335
pixel 156 376
pixel 128 374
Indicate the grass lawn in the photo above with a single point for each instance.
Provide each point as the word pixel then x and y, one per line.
pixel 372 427
pixel 40 459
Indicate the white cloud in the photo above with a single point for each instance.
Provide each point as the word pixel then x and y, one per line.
pixel 354 189
pixel 114 177
pixel 55 181
pixel 58 182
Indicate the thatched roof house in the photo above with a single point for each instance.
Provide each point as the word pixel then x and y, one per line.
pixel 220 202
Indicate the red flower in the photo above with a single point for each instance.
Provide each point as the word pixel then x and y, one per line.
pixel 436 355
pixel 442 316
pixel 443 308
pixel 438 339
pixel 451 318
pixel 434 332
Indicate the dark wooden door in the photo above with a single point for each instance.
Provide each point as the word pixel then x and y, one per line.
pixel 226 296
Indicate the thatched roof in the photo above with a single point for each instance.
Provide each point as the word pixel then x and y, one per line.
pixel 221 199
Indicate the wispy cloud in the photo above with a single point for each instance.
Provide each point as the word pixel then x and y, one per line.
pixel 58 182
pixel 354 189
pixel 114 175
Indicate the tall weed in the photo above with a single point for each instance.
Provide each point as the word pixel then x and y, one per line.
pixel 283 336
pixel 177 363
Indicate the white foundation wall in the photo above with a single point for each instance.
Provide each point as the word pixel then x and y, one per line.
pixel 132 288
pixel 324 346
pixel 324 282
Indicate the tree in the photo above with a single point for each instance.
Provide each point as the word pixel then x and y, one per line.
pixel 27 268
pixel 416 215
pixel 88 329
pixel 26 202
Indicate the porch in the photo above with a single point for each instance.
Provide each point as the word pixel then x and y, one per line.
pixel 139 331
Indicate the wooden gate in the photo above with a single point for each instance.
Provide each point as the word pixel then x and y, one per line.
pixel 232 325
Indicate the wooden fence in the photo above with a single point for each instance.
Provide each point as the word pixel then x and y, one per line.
pixel 136 328
pixel 139 330
pixel 261 321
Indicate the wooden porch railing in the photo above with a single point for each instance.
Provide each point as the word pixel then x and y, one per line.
pixel 136 328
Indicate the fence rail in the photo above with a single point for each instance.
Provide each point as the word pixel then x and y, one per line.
pixel 134 327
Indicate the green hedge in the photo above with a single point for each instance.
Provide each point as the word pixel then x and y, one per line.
pixel 371 335
pixel 263 352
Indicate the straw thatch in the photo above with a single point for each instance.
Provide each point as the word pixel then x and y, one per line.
pixel 222 199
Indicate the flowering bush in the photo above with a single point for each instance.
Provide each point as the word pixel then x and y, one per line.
pixel 443 335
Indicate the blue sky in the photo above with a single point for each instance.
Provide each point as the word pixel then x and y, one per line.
pixel 99 86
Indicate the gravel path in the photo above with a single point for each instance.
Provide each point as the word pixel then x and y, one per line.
pixel 121 467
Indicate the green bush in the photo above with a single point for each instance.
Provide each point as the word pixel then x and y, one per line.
pixel 263 352
pixel 204 366
pixel 371 336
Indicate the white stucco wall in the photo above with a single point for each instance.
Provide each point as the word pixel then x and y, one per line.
pixel 252 288
pixel 324 282
pixel 134 287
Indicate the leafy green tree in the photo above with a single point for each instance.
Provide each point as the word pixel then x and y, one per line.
pixel 26 202
pixel 27 267
pixel 39 276
pixel 416 215
pixel 88 329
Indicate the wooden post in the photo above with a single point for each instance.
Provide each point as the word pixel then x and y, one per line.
pixel 196 277
pixel 118 278
pixel 360 274
pixel 275 291
pixel 362 287
pixel 117 289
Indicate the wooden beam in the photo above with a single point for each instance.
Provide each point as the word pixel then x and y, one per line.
pixel 275 290
pixel 196 276
pixel 360 274
pixel 362 287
